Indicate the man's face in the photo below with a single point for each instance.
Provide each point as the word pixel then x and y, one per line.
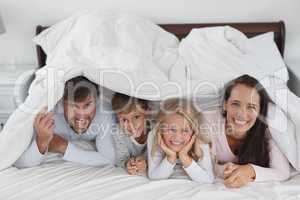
pixel 79 115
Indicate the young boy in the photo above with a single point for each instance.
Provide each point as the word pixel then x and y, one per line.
pixel 131 135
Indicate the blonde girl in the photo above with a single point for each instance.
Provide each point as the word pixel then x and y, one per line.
pixel 176 148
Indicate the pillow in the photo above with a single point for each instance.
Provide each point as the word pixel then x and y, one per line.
pixel 265 51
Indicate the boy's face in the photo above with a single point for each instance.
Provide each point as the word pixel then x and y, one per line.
pixel 79 115
pixel 133 123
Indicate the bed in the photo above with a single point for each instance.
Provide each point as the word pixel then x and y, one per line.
pixel 63 180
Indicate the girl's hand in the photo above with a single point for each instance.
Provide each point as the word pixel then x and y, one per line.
pixel 141 164
pixel 171 155
pixel 131 167
pixel 240 176
pixel 183 155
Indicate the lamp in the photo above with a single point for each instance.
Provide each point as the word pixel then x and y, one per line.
pixel 2 27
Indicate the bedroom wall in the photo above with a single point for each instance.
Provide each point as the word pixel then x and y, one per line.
pixel 21 17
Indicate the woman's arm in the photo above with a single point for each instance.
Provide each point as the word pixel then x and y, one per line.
pixel 279 169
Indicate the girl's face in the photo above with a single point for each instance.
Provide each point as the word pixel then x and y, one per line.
pixel 176 132
pixel 242 107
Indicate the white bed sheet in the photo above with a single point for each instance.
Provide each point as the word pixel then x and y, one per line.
pixel 65 180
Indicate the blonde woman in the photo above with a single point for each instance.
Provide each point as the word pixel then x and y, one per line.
pixel 176 149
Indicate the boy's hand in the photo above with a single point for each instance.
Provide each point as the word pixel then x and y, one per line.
pixel 131 167
pixel 43 125
pixel 136 165
pixel 141 164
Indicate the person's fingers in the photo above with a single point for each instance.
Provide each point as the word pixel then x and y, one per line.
pixel 228 169
pixel 39 116
pixel 132 170
pixel 159 139
pixel 140 165
pixel 49 123
pixel 234 175
pixel 192 141
pixel 132 162
pixel 47 117
pixel 229 182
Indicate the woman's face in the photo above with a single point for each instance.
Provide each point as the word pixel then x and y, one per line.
pixel 242 108
pixel 176 132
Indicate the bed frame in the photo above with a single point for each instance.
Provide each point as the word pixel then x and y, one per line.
pixel 181 30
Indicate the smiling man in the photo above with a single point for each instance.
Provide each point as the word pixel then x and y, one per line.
pixel 78 117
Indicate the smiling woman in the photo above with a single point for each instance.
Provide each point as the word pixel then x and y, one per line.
pixel 245 139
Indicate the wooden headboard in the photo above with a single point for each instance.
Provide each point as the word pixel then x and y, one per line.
pixel 182 30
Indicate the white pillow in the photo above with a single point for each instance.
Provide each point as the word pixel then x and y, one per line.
pixel 268 56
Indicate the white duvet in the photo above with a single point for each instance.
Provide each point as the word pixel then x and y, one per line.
pixel 132 55
pixel 66 180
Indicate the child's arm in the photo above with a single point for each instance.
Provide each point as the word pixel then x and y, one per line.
pixel 201 171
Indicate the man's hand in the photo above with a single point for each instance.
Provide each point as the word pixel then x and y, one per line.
pixel 43 125
pixel 58 144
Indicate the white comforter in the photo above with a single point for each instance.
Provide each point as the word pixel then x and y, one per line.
pixel 65 180
pixel 131 55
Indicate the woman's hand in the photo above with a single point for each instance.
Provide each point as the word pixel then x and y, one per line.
pixel 171 155
pixel 236 176
pixel 183 155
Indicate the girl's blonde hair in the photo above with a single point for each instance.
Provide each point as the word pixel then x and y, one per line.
pixel 186 109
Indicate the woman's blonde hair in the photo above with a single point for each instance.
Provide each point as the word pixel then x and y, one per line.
pixel 186 109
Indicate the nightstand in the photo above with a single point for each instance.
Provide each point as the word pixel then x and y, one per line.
pixel 7 87
pixel 294 73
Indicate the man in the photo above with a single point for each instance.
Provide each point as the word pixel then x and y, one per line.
pixel 77 117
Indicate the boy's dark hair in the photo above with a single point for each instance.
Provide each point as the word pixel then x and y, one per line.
pixel 124 103
pixel 79 88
